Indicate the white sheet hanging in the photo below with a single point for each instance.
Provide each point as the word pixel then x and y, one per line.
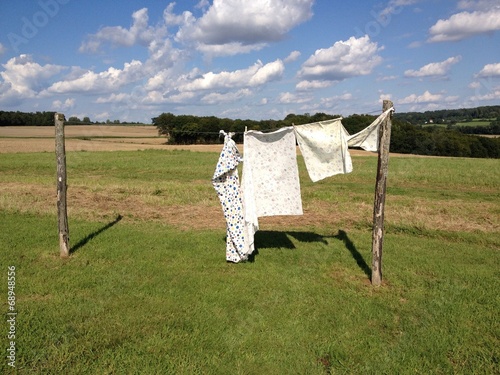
pixel 324 148
pixel 368 138
pixel 270 180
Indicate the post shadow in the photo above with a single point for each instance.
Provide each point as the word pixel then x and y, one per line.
pixel 84 241
pixel 268 239
pixel 342 236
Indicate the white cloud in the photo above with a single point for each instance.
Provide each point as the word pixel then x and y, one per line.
pixel 25 77
pixel 489 70
pixel 2 49
pixel 394 7
pixel 345 59
pixel 334 100
pixel 58 105
pixel 493 94
pixel 106 81
pixel 434 69
pixel 236 26
pixel 465 24
pixel 294 55
pixel 114 98
pixel 217 98
pixel 477 4
pixel 290 98
pixel 313 85
pixel 256 75
pixel 386 78
pixel 139 33
pixel 383 97
pixel 426 97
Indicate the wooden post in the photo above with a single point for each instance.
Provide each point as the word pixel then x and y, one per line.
pixel 380 187
pixel 62 212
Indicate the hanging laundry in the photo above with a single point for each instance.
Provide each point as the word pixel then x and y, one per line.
pixel 270 179
pixel 324 148
pixel 227 185
pixel 368 138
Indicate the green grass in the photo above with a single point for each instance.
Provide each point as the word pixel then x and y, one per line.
pixel 478 122
pixel 144 297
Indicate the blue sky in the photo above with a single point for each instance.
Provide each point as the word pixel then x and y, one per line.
pixel 259 59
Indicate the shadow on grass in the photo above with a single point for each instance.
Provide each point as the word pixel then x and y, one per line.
pixel 277 239
pixel 270 239
pixel 84 241
pixel 342 236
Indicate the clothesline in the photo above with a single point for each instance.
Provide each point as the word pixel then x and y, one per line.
pixel 270 179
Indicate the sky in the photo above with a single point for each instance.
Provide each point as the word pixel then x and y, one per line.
pixel 240 59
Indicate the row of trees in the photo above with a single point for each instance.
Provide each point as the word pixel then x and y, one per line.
pixel 17 118
pixel 26 119
pixel 406 138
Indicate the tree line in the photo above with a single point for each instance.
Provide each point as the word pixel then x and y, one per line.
pixel 17 118
pixel 46 118
pixel 406 138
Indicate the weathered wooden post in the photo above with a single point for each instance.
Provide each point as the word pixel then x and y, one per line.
pixel 62 212
pixel 380 188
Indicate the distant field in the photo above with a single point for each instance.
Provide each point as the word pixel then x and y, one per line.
pixel 474 123
pixel 14 139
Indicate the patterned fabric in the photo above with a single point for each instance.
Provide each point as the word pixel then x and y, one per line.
pixel 324 148
pixel 227 185
pixel 270 176
pixel 367 138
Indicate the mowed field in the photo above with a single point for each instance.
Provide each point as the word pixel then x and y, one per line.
pixel 14 139
pixel 87 138
pixel 146 289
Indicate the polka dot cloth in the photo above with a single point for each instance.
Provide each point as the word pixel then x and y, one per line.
pixel 227 185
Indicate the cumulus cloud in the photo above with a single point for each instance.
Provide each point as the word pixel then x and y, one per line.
pixel 466 24
pixel 426 97
pixel 237 26
pixel 293 56
pixel 108 80
pixel 139 33
pixel 256 75
pixel 291 98
pixel 217 98
pixel 345 59
pixel 493 94
pixel 25 77
pixel 313 85
pixel 489 71
pixel 436 69
pixel 333 101
pixel 58 105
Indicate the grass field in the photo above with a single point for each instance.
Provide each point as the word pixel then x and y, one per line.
pixel 147 290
